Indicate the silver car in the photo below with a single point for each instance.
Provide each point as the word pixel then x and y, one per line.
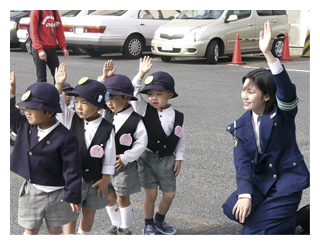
pixel 126 31
pixel 212 33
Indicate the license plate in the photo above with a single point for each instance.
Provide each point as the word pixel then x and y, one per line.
pixel 167 46
pixel 79 30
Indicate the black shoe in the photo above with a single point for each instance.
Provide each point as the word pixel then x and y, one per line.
pixel 303 218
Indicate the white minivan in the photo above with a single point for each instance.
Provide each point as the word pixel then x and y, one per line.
pixel 212 33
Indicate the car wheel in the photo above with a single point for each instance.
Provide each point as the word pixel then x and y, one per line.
pixel 166 58
pixel 213 52
pixel 23 47
pixel 277 48
pixel 78 51
pixel 133 47
pixel 93 53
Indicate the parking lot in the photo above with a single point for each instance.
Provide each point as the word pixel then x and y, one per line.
pixel 209 97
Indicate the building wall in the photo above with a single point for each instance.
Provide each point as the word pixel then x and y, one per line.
pixel 299 25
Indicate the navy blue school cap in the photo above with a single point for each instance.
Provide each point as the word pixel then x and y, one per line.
pixel 92 90
pixel 119 85
pixel 159 80
pixel 41 96
pixel 67 86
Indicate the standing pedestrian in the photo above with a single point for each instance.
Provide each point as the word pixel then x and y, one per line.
pixel 45 30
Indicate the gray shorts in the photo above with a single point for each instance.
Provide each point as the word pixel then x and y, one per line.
pixel 89 196
pixel 125 182
pixel 36 205
pixel 154 171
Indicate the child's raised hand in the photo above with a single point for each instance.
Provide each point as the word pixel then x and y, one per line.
pixel 108 69
pixel 265 38
pixel 60 75
pixel 145 66
pixel 12 84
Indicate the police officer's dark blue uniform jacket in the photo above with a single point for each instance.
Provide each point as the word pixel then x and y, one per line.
pixel 94 92
pixel 281 164
pixel 53 161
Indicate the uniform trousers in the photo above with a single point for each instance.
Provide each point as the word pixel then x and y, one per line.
pixel 41 65
pixel 273 213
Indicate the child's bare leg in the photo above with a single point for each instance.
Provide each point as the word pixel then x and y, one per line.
pixel 148 203
pixel 32 232
pixel 55 230
pixel 112 199
pixel 165 202
pixel 70 228
pixel 124 201
pixel 87 219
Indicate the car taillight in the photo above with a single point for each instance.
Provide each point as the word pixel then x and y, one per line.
pixel 68 28
pixel 94 29
pixel 23 26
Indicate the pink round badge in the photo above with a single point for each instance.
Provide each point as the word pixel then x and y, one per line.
pixel 178 131
pixel 126 139
pixel 96 151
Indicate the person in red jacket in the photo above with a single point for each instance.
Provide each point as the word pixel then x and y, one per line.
pixel 44 35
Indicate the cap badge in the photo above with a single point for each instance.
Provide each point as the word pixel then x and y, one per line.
pixel 148 80
pixel 83 80
pixel 26 95
pixel 107 96
pixel 100 98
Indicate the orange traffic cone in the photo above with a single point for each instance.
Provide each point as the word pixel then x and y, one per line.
pixel 285 49
pixel 236 58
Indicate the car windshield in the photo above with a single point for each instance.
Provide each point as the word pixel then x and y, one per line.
pixel 108 12
pixel 201 14
pixel 69 13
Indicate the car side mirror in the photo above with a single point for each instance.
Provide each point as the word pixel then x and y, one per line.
pixel 233 17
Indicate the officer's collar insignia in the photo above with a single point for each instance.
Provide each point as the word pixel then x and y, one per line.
pixel 26 95
pixel 83 80
pixel 272 115
pixel 148 80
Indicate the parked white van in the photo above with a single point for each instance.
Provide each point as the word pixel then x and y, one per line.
pixel 212 33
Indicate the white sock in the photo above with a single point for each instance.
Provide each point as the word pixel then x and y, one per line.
pixel 81 232
pixel 126 217
pixel 114 214
pixel 25 234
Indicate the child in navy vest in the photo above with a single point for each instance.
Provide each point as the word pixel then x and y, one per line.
pixel 96 140
pixel 131 140
pixel 46 155
pixel 160 163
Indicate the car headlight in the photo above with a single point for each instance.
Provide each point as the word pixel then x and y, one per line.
pixel 157 33
pixel 195 33
pixel 13 25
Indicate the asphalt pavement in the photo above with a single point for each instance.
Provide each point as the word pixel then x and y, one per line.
pixel 209 97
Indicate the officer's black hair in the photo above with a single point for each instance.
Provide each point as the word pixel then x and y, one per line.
pixel 263 79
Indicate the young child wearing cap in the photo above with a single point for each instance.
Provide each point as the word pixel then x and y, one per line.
pixel 97 146
pixel 160 163
pixel 67 98
pixel 46 154
pixel 131 140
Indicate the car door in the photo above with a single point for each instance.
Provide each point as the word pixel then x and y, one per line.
pixel 150 20
pixel 244 26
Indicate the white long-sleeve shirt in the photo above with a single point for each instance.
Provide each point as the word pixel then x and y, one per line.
pixel 90 129
pixel 140 135
pixel 166 116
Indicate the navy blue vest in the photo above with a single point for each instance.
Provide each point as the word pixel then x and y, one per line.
pixel 91 166
pixel 129 127
pixel 157 139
